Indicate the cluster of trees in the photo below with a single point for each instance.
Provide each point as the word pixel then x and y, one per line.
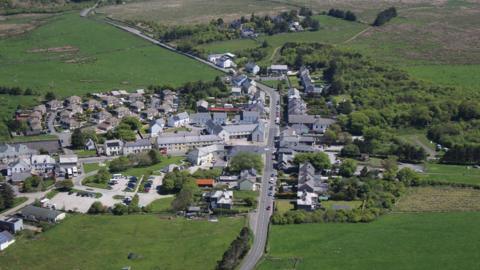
pixel 64 185
pixel 16 91
pixel 7 196
pixel 324 216
pixel 245 161
pixel 174 181
pixel 102 176
pixel 385 16
pixel 126 130
pixel 346 15
pixel 80 138
pixel 143 159
pixel 383 99
pixel 184 185
pixel 237 250
pixel 33 183
pixel 463 154
pixel 118 209
pixel 319 160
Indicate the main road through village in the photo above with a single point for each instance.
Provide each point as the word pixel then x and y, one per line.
pixel 260 219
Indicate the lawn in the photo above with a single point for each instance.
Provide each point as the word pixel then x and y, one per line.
pixel 439 199
pixel 162 205
pixel 147 171
pixel 395 241
pixel 90 167
pixel 86 153
pixel 452 173
pixel 104 242
pixel 283 206
pixel 351 204
pixel 89 183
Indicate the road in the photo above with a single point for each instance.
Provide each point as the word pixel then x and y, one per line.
pixel 261 218
pixel 63 137
pixel 31 197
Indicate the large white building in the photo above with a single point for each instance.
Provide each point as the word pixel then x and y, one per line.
pixel 184 143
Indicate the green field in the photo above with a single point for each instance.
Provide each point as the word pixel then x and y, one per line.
pixel 452 173
pixel 104 242
pixel 395 241
pixel 162 205
pixel 90 167
pixel 146 171
pixel 451 75
pixel 100 58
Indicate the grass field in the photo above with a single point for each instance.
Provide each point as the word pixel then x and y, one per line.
pixel 439 199
pixel 452 173
pixel 90 167
pixel 88 56
pixel 86 153
pixel 104 242
pixel 395 241
pixel 162 205
pixel 351 204
pixel 146 171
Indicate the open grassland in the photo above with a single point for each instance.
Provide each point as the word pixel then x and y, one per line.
pixel 192 11
pixel 72 55
pixel 452 173
pixel 395 241
pixel 104 242
pixel 439 199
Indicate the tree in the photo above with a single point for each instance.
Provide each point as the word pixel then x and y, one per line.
pixel 408 176
pixel 78 139
pixel 348 168
pixel 97 208
pixel 385 16
pixel 350 16
pixel 155 156
pixel 64 185
pixel 391 167
pixel 7 195
pixel 244 161
pixel 319 160
pixel 119 209
pixel 350 150
pixel 133 206
pixel 133 122
pixel 330 137
pixel 50 96
pixel 186 196
pixel 102 176
pixel 119 164
pixel 357 122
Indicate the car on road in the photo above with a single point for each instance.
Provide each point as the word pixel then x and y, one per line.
pixel 270 194
pixel 268 208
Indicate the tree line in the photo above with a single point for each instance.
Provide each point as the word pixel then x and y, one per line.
pixel 385 16
pixel 342 14
pixel 16 91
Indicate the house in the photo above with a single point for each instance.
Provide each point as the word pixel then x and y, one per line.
pixel 101 116
pixel 137 146
pixel 224 60
pixel 309 181
pixel 307 201
pixel 217 130
pixel 236 91
pixel 248 179
pixel 179 120
pixel 202 106
pixel 150 113
pixel 42 163
pixel 205 183
pixel 113 147
pixel 219 118
pixel 259 134
pixel 6 239
pixel 35 126
pixel 73 100
pixel 295 27
pixel 186 142
pixel 122 112
pixel 12 224
pixel 156 127
pixel 111 101
pixel 54 105
pixel 10 153
pixel 137 106
pixel 220 199
pixel 249 117
pixel 314 122
pixel 69 123
pixel 68 165
pixel 92 105
pixel 322 124
pixel 200 119
pixel 206 155
pixel 248 33
pixel 239 80
pixel 252 68
pixel 90 145
pixel 307 83
pixel 42 109
pixel 36 214
pixel 278 70
pixel 19 170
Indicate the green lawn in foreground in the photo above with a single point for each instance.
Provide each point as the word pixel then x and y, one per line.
pixel 452 173
pixel 86 153
pixel 395 241
pixel 90 167
pixel 104 242
pixel 162 205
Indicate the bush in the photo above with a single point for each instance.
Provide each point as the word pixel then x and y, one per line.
pixel 97 208
pixel 119 209
pixel 237 250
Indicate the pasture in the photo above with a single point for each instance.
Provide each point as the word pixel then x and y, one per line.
pixel 105 242
pixel 452 173
pixel 72 55
pixel 395 241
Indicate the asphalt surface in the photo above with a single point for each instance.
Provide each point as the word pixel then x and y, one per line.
pixel 261 218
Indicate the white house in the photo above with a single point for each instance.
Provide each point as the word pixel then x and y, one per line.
pixel 19 170
pixel 204 155
pixel 113 147
pixel 179 120
pixel 252 68
pixel 42 163
pixel 90 145
pixel 247 184
pixel 6 239
pixel 224 60
pixel 307 200
pixel 156 127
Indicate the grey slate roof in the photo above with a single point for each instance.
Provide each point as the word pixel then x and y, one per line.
pixel 5 237
pixel 40 213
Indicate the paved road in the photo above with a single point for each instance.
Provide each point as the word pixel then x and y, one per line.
pixel 261 218
pixel 64 137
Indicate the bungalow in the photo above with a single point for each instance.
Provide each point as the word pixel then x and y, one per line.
pixel 36 214
pixel 137 146
pixel 12 224
pixel 205 183
pixel 6 239
pixel 252 68
pixel 156 127
pixel 278 70
pixel 179 120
